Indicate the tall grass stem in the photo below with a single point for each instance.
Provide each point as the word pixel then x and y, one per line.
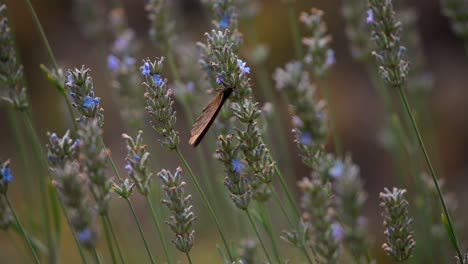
pixel 108 238
pixel 451 228
pixel 159 229
pixel 259 236
pixel 36 258
pixel 150 255
pixel 114 237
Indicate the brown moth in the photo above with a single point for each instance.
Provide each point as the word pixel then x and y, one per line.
pixel 207 117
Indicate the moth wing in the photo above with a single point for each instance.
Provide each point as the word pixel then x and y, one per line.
pixel 206 119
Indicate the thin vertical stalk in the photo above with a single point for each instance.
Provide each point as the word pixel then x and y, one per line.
pixel 331 109
pixel 258 235
pixel 43 186
pixel 96 256
pixel 293 24
pixel 44 40
pixel 206 202
pixel 161 234
pixel 269 230
pixel 17 247
pixel 108 239
pixel 150 255
pixel 289 196
pixel 114 237
pixel 188 257
pixel 111 161
pixel 451 228
pixel 36 259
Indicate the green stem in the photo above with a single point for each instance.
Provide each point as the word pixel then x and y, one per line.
pixel 292 16
pixel 206 202
pixel 44 40
pixel 289 196
pixel 17 246
pixel 451 228
pixel 258 235
pixel 269 230
pixel 36 259
pixel 150 255
pixel 96 256
pixel 161 234
pixel 108 239
pixel 332 118
pixel 42 185
pixel 111 161
pixel 188 257
pixel 114 237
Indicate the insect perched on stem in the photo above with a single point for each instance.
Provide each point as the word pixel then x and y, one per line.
pixel 207 117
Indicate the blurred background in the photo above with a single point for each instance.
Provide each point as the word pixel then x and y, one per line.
pixel 359 110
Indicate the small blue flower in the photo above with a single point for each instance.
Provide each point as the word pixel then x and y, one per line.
pixel 236 165
pixel 242 67
pixel 330 58
pixel 370 16
pixel 54 137
pixel 77 142
pixel 128 167
pixel 219 78
pixel 69 80
pixel 129 61
pixel 337 231
pixel 72 94
pixel 6 174
pixel 224 22
pixel 136 157
pixel 157 79
pixel 88 101
pixel 306 139
pixel 146 69
pixel 337 170
pixel 113 63
pixel 84 235
pixel 190 86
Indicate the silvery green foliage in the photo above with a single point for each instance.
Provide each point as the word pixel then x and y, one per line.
pixel 6 216
pixel 299 237
pixel 61 150
pixel 159 103
pixel 350 202
pixel 122 66
pixel 319 54
pixel 73 189
pixel 93 159
pixel 182 218
pixel 464 260
pixel 326 232
pixel 161 29
pixel 357 31
pixel 219 59
pixel 248 251
pixel 256 154
pixel 236 181
pixel 81 90
pixel 309 119
pixel 12 86
pixel 398 230
pixel 457 12
pixel 137 162
pixel 386 34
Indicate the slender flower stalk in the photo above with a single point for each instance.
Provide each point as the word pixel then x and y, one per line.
pixel 159 107
pixel 140 177
pixel 394 69
pixel 8 211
